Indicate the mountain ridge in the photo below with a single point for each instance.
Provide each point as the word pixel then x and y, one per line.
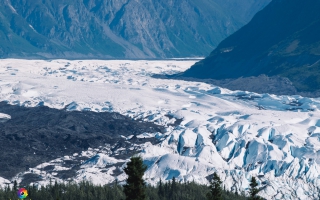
pixel 281 40
pixel 118 29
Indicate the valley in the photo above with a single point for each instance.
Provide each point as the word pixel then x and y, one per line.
pixel 239 134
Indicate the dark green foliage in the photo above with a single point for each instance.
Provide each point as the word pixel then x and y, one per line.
pixel 135 187
pixel 15 185
pixel 215 188
pixel 173 190
pixel 82 191
pixel 160 190
pixel 185 191
pixel 87 191
pixel 253 191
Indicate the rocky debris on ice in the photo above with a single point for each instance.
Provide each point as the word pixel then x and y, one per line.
pixel 210 129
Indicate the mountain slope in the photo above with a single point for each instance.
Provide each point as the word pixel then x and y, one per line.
pixel 283 39
pixel 118 28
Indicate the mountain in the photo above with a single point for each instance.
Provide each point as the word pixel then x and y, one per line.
pixel 281 40
pixel 119 28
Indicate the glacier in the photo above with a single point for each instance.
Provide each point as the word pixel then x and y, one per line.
pixel 237 134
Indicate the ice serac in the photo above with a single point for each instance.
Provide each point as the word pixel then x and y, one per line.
pixel 208 129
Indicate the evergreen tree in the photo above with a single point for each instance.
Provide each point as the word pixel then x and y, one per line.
pixel 160 190
pixel 166 189
pixel 253 191
pixel 135 187
pixel 173 189
pixel 215 188
pixel 15 186
pixel 87 191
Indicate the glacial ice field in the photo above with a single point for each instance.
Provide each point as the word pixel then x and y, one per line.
pixel 238 134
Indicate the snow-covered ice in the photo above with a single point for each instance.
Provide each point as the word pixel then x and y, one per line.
pixel 239 134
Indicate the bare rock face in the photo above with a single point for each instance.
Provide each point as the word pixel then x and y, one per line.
pixel 119 28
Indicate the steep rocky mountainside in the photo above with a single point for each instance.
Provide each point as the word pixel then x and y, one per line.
pixel 119 28
pixel 281 40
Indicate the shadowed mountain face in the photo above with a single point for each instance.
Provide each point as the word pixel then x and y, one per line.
pixel 36 135
pixel 281 40
pixel 119 28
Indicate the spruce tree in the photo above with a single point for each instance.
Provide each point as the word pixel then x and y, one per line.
pixel 215 192
pixel 135 186
pixel 253 191
pixel 160 190
pixel 15 186
pixel 166 189
pixel 173 188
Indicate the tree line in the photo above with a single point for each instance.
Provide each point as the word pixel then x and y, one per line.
pixel 134 189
